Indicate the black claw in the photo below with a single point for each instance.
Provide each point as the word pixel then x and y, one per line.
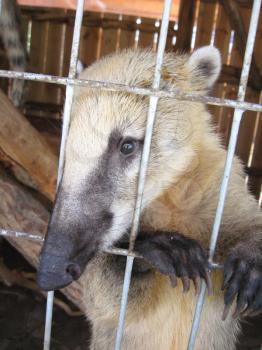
pixel 227 276
pixel 239 309
pixel 186 284
pixel 197 284
pixel 243 279
pixel 208 283
pixel 173 280
pixel 176 256
pixel 225 312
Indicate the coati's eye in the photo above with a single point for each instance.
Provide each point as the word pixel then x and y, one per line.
pixel 128 146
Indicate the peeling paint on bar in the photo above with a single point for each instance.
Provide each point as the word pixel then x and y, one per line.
pixel 111 86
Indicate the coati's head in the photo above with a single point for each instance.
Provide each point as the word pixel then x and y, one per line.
pixel 95 201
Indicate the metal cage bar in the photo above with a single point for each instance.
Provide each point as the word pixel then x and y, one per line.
pixel 154 94
pixel 228 164
pixel 143 168
pixel 113 250
pixel 110 86
pixel 65 127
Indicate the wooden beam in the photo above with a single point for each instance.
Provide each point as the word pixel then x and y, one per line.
pixel 241 3
pixel 237 24
pixel 146 8
pixel 19 210
pixel 25 146
pixel 185 25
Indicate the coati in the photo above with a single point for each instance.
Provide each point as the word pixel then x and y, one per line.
pixel 95 203
pixel 14 43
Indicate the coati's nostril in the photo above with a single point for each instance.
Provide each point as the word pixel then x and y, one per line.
pixel 74 270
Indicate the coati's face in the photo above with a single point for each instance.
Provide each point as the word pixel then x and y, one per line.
pixel 96 197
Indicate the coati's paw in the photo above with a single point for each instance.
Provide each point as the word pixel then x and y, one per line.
pixel 243 280
pixel 176 256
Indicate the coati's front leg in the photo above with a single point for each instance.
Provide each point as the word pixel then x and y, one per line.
pixel 243 279
pixel 176 256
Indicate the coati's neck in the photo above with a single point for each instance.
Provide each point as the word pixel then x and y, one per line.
pixel 188 205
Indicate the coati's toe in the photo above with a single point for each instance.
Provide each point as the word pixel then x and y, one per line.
pixel 243 280
pixel 176 256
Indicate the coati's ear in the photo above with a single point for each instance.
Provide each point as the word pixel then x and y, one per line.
pixel 205 66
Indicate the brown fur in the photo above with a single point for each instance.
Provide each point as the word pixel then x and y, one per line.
pixel 181 194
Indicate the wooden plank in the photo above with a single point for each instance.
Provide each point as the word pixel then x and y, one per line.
pixel 205 24
pixel 89 41
pixel 146 8
pixel 237 24
pixel 109 38
pixel 37 60
pixel 185 25
pixel 125 38
pixel 222 116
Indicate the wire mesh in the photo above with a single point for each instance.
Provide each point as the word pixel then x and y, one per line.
pixel 154 94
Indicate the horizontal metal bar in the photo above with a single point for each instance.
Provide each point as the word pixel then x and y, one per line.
pixel 111 86
pixel 113 250
pixel 18 234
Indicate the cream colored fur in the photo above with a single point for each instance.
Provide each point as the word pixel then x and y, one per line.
pixel 181 194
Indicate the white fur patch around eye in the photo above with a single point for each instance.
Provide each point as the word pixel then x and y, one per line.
pixel 206 63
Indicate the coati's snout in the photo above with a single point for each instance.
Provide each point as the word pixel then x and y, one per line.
pixel 74 236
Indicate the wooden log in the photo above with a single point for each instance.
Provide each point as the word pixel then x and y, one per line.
pixel 20 211
pixel 24 145
pixel 237 24
pixel 185 25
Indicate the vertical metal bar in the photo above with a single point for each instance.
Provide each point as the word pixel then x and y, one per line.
pixel 229 160
pixel 66 122
pixel 143 168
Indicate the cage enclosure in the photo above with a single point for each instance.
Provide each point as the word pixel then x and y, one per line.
pixel 58 41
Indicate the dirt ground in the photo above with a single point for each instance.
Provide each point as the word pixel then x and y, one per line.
pixel 22 315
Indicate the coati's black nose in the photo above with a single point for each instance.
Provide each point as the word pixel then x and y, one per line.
pixel 55 272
